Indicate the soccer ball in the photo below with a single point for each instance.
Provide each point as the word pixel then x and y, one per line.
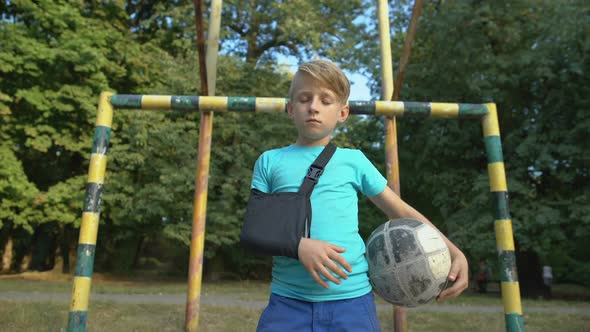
pixel 408 262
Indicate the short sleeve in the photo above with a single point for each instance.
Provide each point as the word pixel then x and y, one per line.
pixel 371 182
pixel 260 175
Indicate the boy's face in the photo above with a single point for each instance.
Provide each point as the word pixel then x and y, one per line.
pixel 315 110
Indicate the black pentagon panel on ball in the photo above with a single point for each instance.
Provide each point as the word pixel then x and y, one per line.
pixel 403 244
pixel 392 292
pixel 419 278
pixel 378 253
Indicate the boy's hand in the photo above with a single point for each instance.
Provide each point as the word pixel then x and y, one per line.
pixel 319 257
pixel 458 275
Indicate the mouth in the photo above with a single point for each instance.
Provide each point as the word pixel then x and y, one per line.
pixel 313 121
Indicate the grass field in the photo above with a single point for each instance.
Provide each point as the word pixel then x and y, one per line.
pixel 105 316
pixel 36 315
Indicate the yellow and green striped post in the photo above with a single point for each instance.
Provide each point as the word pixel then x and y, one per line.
pixel 503 223
pixel 78 314
pixel 278 105
pixel 208 103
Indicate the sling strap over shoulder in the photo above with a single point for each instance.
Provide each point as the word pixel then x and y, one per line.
pixel 316 170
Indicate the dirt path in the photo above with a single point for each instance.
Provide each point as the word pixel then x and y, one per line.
pixel 229 300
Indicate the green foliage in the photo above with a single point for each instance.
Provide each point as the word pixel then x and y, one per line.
pixel 55 60
pixel 150 170
pixel 63 202
pixel 17 195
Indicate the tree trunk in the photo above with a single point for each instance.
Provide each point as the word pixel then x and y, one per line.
pixel 7 245
pixel 25 263
pixel 7 255
pixel 44 247
pixel 65 249
pixel 58 262
pixel 529 274
pixel 138 250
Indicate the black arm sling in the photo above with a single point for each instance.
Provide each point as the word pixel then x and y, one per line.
pixel 275 223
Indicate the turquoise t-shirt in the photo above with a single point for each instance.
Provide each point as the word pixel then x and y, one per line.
pixel 334 204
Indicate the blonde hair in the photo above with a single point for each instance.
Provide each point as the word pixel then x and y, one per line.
pixel 327 74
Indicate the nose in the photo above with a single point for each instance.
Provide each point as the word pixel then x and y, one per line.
pixel 314 105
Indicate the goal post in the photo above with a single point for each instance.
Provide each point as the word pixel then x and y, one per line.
pixel 108 102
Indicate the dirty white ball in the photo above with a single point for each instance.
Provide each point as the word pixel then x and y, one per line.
pixel 408 262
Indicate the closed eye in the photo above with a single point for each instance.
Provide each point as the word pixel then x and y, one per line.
pixel 303 99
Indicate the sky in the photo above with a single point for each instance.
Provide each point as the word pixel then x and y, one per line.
pixel 359 89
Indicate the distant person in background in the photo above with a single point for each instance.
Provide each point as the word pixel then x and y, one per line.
pixel 483 276
pixel 547 280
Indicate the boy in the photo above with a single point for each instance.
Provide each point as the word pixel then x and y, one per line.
pixel 327 288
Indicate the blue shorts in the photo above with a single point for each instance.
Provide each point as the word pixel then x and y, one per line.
pixel 286 314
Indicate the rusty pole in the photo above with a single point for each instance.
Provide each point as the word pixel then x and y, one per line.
pixel 408 43
pixel 206 127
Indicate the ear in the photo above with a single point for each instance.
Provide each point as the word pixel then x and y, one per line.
pixel 344 112
pixel 290 109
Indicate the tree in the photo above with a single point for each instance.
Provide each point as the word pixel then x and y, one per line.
pixel 259 31
pixel 55 58
pixel 18 196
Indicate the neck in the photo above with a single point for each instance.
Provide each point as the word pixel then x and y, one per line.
pixel 302 141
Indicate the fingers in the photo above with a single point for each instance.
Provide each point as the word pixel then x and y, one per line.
pixel 336 269
pixel 319 280
pixel 323 261
pixel 326 273
pixel 327 267
pixel 336 248
pixel 457 288
pixel 321 270
pixel 339 259
pixel 458 276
